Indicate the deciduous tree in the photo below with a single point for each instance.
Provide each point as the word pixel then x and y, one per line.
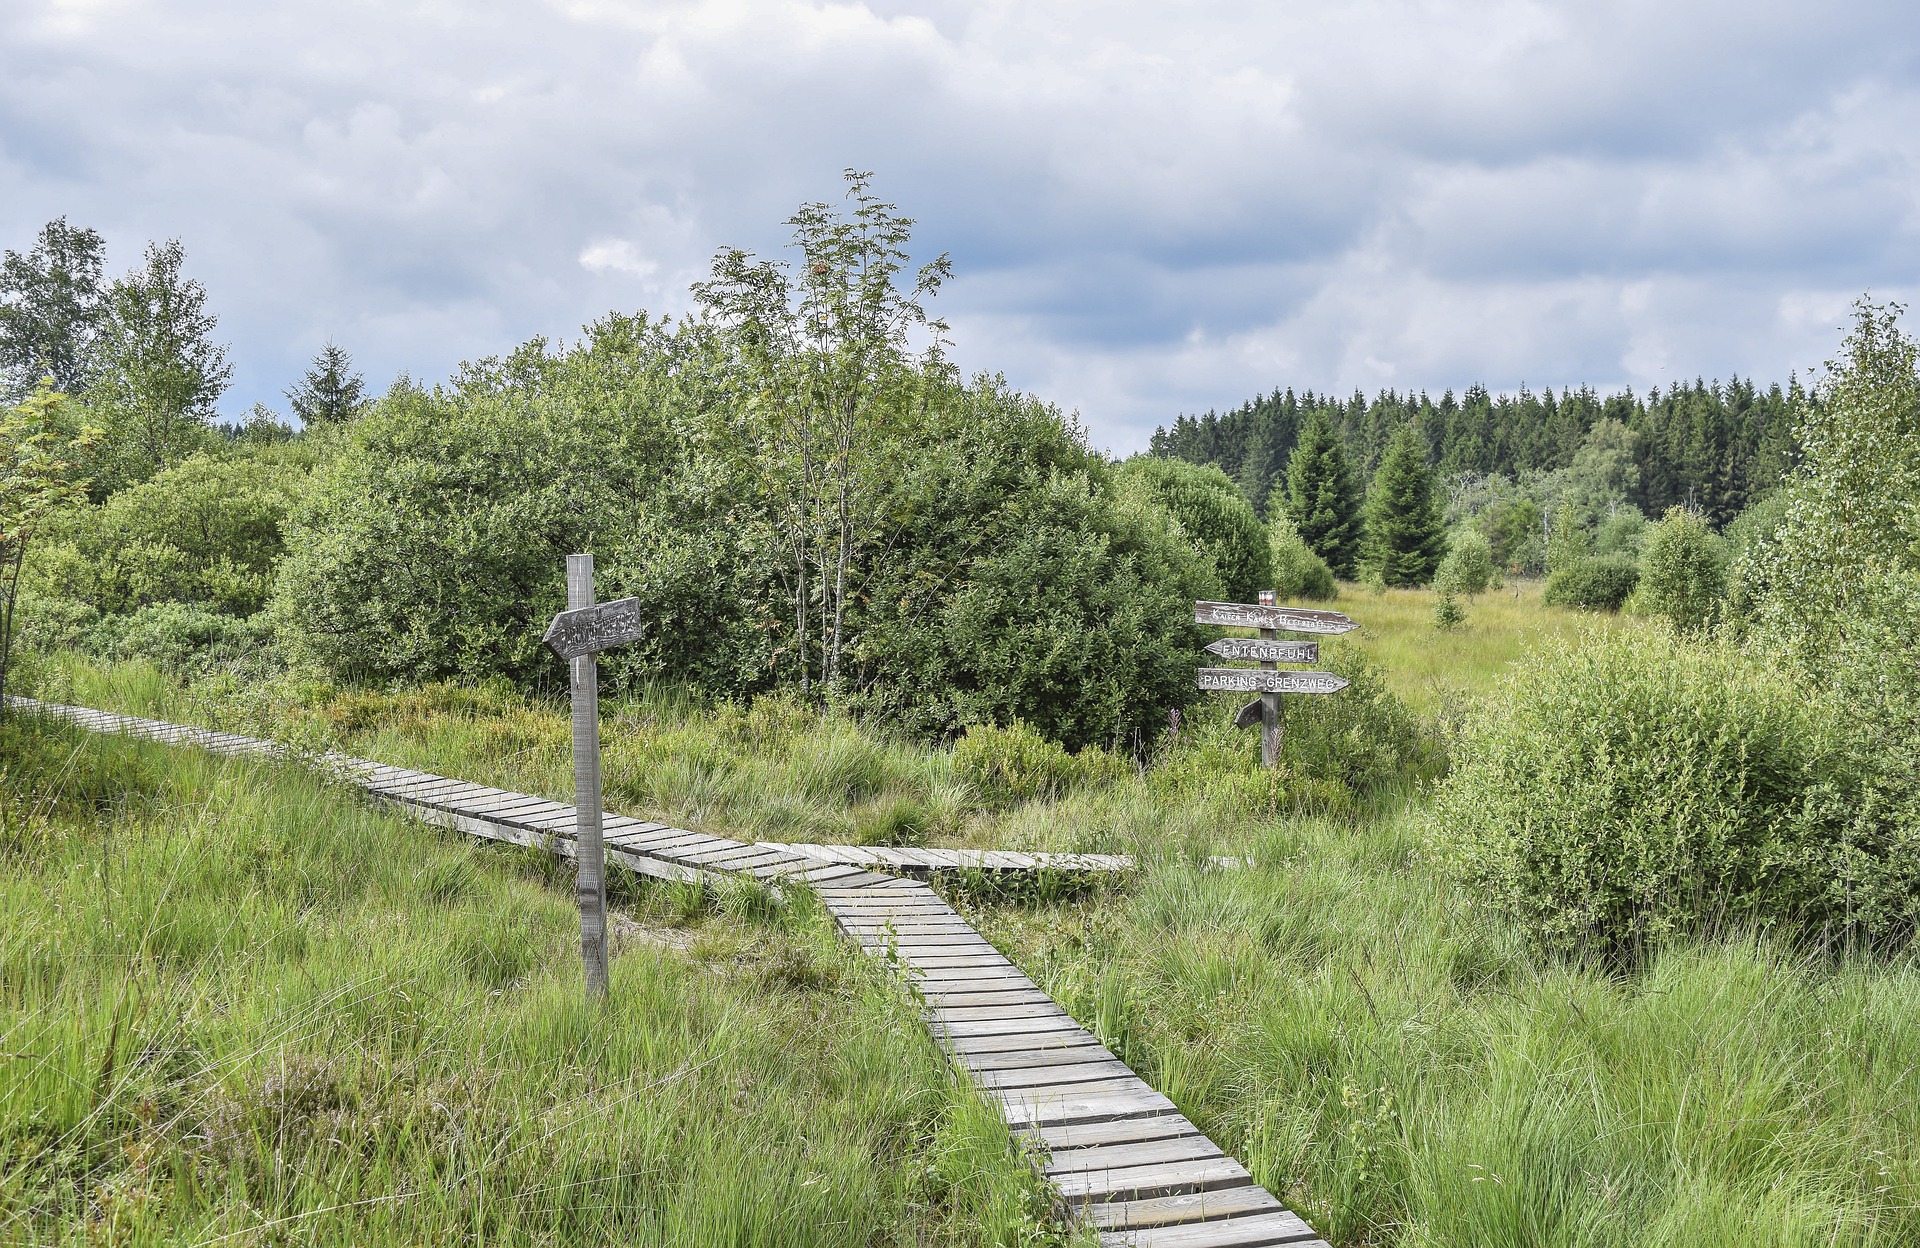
pixel 50 307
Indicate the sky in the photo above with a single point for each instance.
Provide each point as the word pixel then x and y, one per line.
pixel 1151 208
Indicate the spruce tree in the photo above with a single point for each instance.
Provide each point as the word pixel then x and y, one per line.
pixel 1404 542
pixel 330 393
pixel 1323 498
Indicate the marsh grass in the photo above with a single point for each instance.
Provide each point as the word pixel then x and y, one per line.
pixel 1394 1059
pixel 1404 1070
pixel 237 1005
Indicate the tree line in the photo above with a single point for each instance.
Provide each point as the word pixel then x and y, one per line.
pixel 1712 447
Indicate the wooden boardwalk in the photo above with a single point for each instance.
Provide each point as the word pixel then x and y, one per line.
pixel 1119 1154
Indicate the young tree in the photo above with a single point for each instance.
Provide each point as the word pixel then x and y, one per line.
pixel 1404 540
pixel 1323 498
pixel 828 366
pixel 1297 571
pixel 50 306
pixel 1468 568
pixel 330 392
pixel 41 458
pixel 1683 570
pixel 159 370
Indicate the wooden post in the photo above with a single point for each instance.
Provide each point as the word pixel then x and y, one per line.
pixel 1269 714
pixel 592 880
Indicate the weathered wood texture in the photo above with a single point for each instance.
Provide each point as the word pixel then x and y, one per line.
pixel 1264 650
pixel 584 628
pixel 1286 619
pixel 1254 680
pixel 589 853
pixel 1118 1154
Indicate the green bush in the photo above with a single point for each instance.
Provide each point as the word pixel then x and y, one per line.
pixel 1636 788
pixel 179 637
pixel 1017 764
pixel 1363 737
pixel 1684 571
pixel 1216 517
pixel 1593 583
pixel 205 531
pixel 1297 571
pixel 1621 533
pixel 1468 568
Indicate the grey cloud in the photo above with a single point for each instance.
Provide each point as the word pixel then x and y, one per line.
pixel 1152 208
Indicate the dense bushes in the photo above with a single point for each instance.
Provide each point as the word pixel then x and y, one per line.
pixel 433 543
pixel 1593 583
pixel 1637 787
pixel 1216 516
pixel 1468 568
pixel 205 531
pixel 1007 575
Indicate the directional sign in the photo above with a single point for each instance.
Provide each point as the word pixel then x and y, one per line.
pixel 1255 680
pixel 1287 619
pixel 1260 649
pixel 1250 714
pixel 589 630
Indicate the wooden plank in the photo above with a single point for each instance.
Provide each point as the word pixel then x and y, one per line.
pixel 1078 1050
pixel 1188 1207
pixel 994 996
pixel 1264 650
pixel 1059 1139
pixel 1167 1178
pixel 1034 1108
pixel 1053 1075
pixel 947 1016
pixel 1286 619
pixel 1133 1154
pixel 970 1048
pixel 1256 680
pixel 1260 1230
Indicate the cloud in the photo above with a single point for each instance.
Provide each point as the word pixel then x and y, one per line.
pixel 1151 208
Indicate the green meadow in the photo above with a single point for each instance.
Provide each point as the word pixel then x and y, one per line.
pixel 1392 1059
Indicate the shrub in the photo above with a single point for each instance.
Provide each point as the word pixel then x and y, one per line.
pixel 1640 787
pixel 1621 533
pixel 1017 764
pixel 1297 571
pixel 205 531
pixel 1215 515
pixel 1593 583
pixel 1684 571
pixel 1468 568
pixel 1447 614
pixel 179 637
pixel 1364 736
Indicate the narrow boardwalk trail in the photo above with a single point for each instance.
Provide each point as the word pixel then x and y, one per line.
pixel 1120 1155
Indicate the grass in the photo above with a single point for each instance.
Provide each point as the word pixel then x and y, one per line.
pixel 1396 1062
pixel 239 1006
pixel 1431 669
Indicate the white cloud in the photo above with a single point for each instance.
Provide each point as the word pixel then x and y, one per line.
pixel 1152 208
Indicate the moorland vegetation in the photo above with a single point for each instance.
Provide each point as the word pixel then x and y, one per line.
pixel 1582 918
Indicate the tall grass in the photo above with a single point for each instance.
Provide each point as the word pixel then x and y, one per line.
pixel 236 1005
pixel 1405 1071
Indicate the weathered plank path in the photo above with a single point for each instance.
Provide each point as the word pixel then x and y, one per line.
pixel 1119 1154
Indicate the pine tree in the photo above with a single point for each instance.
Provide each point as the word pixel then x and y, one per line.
pixel 1403 538
pixel 329 393
pixel 1323 498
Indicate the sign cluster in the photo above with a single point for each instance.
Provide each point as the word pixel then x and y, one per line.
pixel 1268 651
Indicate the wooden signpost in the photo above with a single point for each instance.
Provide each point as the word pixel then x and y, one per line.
pixel 1269 651
pixel 576 635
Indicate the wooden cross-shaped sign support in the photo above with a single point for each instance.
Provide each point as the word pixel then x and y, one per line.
pixel 576 635
pixel 1269 651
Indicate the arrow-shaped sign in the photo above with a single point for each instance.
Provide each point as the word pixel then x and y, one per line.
pixel 1262 650
pixel 589 630
pixel 1287 619
pixel 1254 680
